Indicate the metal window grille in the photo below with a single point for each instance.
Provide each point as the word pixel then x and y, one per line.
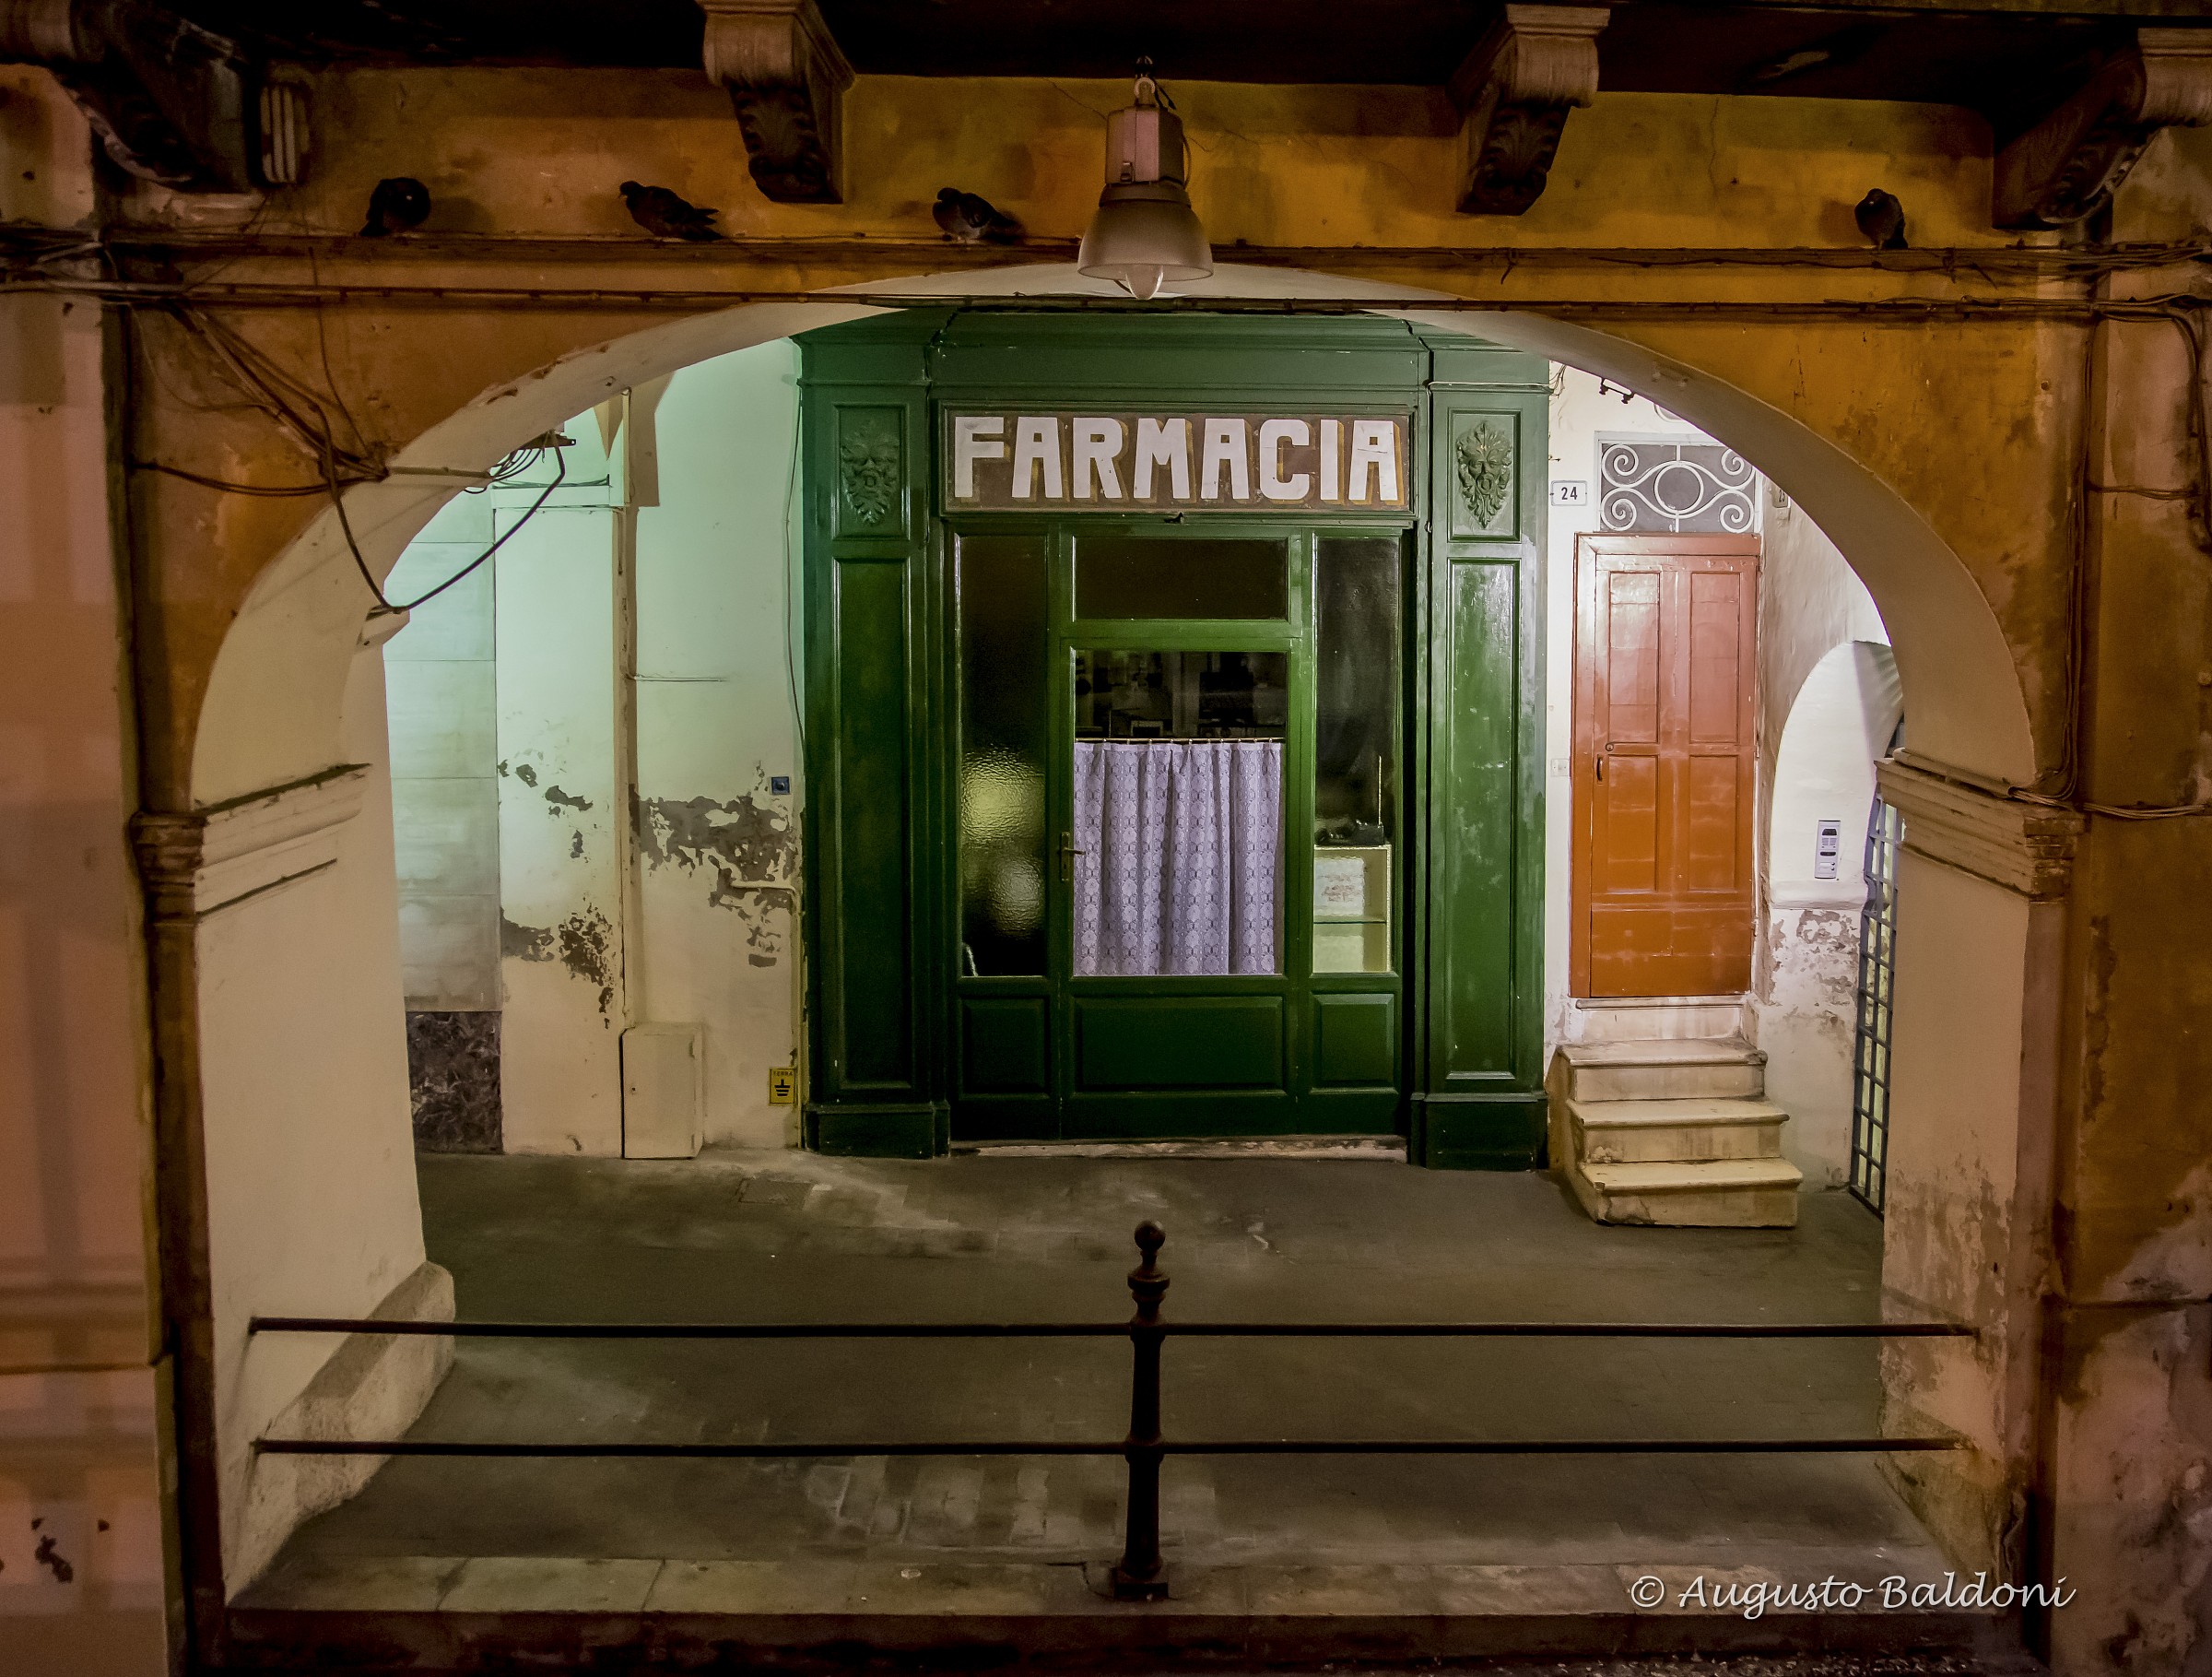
pixel 1870 1047
pixel 1678 488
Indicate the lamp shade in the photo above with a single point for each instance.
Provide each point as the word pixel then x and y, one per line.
pixel 1144 232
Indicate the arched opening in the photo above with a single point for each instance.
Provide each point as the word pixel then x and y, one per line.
pixel 296 692
pixel 1840 726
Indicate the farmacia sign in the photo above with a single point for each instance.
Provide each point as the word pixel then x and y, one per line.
pixel 1061 462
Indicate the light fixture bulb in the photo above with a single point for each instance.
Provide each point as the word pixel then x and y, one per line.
pixel 1146 233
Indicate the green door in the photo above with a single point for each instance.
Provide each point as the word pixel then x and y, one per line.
pixel 1176 805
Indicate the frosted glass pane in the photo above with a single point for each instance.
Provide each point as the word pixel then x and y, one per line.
pixel 1003 603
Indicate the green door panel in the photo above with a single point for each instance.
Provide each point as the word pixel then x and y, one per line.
pixel 1002 1044
pixel 873 1048
pixel 1474 926
pixel 1178 1042
pixel 1355 1040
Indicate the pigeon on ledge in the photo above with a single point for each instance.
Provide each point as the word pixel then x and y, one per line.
pixel 665 216
pixel 398 205
pixel 1882 218
pixel 970 220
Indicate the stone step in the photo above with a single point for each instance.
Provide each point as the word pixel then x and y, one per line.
pixel 1642 1132
pixel 1687 1070
pixel 1704 1194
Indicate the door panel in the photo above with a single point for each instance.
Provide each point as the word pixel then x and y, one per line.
pixel 1005 1045
pixel 1178 1042
pixel 1663 774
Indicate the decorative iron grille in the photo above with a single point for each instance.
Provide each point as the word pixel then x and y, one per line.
pixel 1870 1045
pixel 1691 489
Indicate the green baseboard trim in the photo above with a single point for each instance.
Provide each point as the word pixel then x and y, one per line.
pixel 923 1131
pixel 1478 1132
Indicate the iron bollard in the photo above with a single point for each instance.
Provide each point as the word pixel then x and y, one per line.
pixel 1139 1577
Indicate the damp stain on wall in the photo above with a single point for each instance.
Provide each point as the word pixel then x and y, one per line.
pixel 557 800
pixel 587 945
pixel 525 943
pixel 583 943
pixel 748 849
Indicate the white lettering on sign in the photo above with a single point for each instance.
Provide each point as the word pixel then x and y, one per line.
pixel 974 437
pixel 1096 461
pixel 1163 442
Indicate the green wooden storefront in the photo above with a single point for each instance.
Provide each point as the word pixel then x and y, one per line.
pixel 973 660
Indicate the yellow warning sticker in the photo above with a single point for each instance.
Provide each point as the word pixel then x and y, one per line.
pixel 782 1083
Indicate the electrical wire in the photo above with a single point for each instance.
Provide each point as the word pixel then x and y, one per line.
pixel 338 503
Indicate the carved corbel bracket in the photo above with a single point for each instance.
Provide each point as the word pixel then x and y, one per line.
pixel 2065 168
pixel 1514 90
pixel 787 79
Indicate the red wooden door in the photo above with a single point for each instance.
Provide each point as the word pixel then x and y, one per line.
pixel 1665 631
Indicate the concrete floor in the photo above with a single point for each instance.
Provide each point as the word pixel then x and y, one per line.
pixel 753 1237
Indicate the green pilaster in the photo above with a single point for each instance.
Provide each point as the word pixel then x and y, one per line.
pixel 1479 713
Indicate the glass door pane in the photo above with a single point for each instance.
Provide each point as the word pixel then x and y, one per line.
pixel 1355 593
pixel 1175 851
pixel 1004 599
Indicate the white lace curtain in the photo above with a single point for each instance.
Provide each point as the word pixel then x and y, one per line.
pixel 1182 857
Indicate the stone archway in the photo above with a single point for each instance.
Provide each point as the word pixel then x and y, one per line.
pixel 269 758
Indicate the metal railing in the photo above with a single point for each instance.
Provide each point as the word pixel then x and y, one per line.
pixel 1140 1574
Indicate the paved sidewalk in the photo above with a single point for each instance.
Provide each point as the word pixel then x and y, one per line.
pixel 780 1236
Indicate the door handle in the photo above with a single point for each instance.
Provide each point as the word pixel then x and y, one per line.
pixel 1599 760
pixel 1068 852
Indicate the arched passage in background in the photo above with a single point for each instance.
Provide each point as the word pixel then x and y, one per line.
pixel 1837 730
pixel 310 1188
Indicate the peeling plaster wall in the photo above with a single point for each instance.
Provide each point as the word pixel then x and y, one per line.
pixel 715 723
pixel 563 851
pixel 1824 770
pixel 81 1564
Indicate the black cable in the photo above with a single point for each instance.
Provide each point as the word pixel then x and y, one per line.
pixel 561 476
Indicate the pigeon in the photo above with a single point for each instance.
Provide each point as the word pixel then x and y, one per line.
pixel 398 205
pixel 665 216
pixel 967 219
pixel 1882 218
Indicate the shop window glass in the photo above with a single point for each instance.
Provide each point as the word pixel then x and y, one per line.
pixel 1003 606
pixel 1174 857
pixel 1356 584
pixel 1140 576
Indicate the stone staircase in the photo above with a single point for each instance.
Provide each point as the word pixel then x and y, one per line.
pixel 1677 1132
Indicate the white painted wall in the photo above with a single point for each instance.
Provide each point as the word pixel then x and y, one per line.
pixel 645 871
pixel 312 1200
pixel 563 857
pixel 1824 771
pixel 444 732
pixel 716 721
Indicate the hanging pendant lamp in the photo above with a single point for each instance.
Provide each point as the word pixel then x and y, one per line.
pixel 1145 232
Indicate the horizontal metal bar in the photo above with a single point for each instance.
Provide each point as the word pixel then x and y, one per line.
pixel 993 1331
pixel 694 1331
pixel 1220 1446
